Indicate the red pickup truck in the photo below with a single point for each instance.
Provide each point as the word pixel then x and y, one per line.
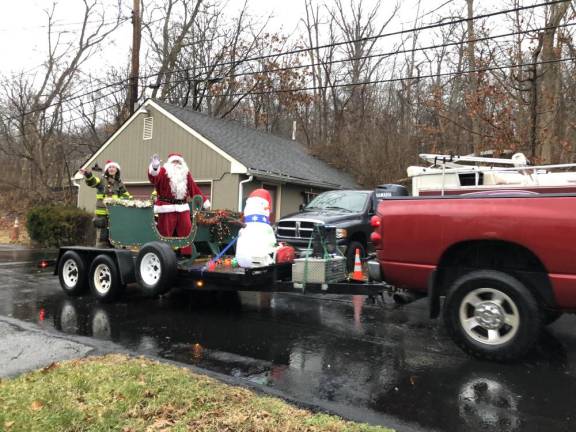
pixel 504 263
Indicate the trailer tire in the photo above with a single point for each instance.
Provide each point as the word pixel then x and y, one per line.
pixel 72 274
pixel 492 315
pixel 155 268
pixel 105 283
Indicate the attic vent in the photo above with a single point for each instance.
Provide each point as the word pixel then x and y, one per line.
pixel 148 123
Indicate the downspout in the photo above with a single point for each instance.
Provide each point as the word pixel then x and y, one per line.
pixel 241 191
pixel 76 185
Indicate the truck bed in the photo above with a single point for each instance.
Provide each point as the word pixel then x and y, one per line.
pixel 417 232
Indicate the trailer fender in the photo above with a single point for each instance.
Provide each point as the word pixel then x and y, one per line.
pixel 125 262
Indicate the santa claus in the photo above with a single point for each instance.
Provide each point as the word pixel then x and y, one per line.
pixel 175 187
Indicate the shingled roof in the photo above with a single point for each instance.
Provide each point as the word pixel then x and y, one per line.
pixel 264 154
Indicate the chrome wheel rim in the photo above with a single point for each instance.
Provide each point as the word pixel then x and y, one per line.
pixel 150 269
pixel 70 273
pixel 102 279
pixel 489 316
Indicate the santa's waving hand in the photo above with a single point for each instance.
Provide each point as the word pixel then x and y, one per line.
pixel 175 187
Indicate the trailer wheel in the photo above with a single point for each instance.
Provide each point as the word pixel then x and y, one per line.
pixel 492 315
pixel 104 279
pixel 72 274
pixel 155 268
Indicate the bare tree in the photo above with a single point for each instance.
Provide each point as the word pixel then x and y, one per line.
pixel 35 105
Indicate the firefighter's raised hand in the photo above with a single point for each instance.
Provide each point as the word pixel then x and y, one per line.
pixel 155 161
pixel 86 172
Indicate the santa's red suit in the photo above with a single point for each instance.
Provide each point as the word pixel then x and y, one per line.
pixel 175 187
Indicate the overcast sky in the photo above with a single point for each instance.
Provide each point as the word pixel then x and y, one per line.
pixel 23 41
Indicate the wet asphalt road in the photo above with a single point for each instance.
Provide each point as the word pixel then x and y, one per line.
pixel 383 365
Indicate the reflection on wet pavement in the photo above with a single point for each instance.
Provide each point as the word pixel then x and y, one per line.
pixel 383 365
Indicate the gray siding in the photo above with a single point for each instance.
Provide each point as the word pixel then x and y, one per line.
pixel 225 192
pixel 290 195
pixel 291 199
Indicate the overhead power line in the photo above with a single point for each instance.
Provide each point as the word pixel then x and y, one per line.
pixel 370 56
pixel 363 83
pixel 301 50
pixel 391 80
pixel 121 20
pixel 379 36
pixel 68 121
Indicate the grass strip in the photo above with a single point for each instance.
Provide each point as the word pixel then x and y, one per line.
pixel 120 393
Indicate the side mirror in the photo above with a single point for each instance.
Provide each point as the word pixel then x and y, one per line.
pixel 301 207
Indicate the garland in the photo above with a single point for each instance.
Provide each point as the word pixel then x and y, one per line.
pixel 219 223
pixel 213 217
pixel 128 202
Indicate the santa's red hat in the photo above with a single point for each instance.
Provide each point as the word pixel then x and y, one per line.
pixel 264 194
pixel 110 163
pixel 175 157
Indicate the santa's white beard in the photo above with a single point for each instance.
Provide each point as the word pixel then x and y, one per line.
pixel 178 175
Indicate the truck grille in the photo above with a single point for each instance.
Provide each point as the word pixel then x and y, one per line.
pixel 295 229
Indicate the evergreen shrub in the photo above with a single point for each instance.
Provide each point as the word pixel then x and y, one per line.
pixel 54 226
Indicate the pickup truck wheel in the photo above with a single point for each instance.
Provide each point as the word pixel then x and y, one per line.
pixel 155 268
pixel 72 274
pixel 351 254
pixel 104 279
pixel 492 315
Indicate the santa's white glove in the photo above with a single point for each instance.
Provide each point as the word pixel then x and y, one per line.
pixel 155 162
pixel 207 205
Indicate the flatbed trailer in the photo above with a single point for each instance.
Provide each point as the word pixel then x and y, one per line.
pixel 106 273
pixel 141 255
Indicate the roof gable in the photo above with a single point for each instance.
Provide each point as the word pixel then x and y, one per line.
pixel 262 153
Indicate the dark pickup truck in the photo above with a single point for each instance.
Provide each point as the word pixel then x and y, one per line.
pixel 346 212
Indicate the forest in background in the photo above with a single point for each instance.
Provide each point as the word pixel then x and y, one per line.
pixel 366 94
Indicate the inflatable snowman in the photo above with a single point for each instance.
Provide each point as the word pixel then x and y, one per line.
pixel 256 241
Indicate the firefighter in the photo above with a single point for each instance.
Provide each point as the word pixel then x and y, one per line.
pixel 108 186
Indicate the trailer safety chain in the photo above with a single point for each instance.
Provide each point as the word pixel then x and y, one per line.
pixel 324 247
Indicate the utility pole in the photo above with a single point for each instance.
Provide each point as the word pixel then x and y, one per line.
pixel 473 83
pixel 135 69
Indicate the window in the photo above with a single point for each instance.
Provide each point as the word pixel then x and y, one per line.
pixel 148 124
pixel 350 201
pixel 471 179
pixel 308 196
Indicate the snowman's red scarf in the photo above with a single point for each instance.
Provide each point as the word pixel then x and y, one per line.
pixel 178 175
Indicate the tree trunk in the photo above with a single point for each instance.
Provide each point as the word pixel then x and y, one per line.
pixel 473 85
pixel 550 84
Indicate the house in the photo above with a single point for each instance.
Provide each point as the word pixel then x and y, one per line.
pixel 226 159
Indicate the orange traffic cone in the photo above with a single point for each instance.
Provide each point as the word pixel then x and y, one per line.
pixel 357 275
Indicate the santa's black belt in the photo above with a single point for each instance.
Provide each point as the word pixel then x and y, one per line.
pixel 172 200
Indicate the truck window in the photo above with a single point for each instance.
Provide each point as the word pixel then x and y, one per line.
pixel 351 201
